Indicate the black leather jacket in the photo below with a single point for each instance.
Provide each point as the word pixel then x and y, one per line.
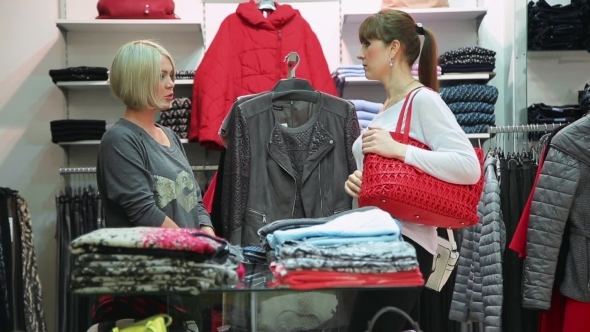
pixel 259 184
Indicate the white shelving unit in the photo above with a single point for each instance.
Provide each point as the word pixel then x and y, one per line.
pixel 120 26
pixel 97 142
pixel 93 42
pixel 105 84
pixel 443 78
pixel 428 14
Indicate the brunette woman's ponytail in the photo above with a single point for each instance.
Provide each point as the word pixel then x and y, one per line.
pixel 427 67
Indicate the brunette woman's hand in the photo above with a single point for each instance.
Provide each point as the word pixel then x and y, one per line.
pixel 353 184
pixel 379 141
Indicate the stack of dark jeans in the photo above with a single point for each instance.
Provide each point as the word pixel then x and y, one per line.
pixel 558 27
pixel 542 114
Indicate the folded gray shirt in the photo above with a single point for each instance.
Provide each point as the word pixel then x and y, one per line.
pixel 141 181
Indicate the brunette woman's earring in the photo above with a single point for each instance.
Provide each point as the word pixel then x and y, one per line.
pixel 390 62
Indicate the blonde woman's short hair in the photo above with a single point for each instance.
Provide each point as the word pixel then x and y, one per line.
pixel 135 74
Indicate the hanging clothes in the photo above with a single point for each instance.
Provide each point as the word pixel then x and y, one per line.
pixel 20 287
pixel 478 294
pixel 298 151
pixel 558 221
pixel 79 211
pixel 247 56
pixel 513 193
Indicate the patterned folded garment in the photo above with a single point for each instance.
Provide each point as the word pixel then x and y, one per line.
pixel 471 119
pixel 471 107
pixel 475 129
pixel 466 52
pixel 371 257
pixel 211 274
pixel 470 93
pixel 179 239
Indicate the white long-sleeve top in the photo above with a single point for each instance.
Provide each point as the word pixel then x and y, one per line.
pixel 451 159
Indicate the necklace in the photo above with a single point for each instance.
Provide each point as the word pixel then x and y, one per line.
pixel 392 101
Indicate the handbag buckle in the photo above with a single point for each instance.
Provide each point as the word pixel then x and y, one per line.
pixel 147 9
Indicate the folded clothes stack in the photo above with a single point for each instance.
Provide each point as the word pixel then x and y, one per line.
pixel 472 104
pixel 558 27
pixel 344 71
pixel 366 111
pixel 358 247
pixel 542 114
pixel 71 130
pixel 149 260
pixel 177 116
pixel 416 67
pixel 81 73
pixel 467 60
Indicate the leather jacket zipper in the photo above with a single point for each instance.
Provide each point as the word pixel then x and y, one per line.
pixel 284 169
pixel 320 184
pixel 260 214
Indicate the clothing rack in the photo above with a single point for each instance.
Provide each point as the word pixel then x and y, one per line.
pixel 524 128
pixel 90 170
pixel 292 60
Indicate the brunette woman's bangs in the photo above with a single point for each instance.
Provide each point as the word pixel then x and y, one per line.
pixel 371 28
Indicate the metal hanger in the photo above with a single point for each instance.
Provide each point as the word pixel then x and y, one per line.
pixel 267 5
pixel 292 88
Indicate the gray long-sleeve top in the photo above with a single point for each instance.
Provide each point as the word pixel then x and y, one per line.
pixel 142 181
pixel 478 292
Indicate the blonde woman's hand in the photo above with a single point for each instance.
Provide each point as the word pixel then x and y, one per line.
pixel 379 141
pixel 208 230
pixel 354 183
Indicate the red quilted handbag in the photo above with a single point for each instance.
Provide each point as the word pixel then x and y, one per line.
pixel 409 194
pixel 135 9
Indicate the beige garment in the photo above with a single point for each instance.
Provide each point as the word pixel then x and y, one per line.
pixel 393 4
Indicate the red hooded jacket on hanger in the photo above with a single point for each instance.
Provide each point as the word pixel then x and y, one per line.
pixel 247 56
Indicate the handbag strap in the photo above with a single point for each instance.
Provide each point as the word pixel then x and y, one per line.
pixel 452 239
pixel 407 112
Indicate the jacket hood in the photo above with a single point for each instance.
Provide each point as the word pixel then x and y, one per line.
pixel 249 12
pixel 575 139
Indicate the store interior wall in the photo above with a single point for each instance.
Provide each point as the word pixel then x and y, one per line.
pixel 30 163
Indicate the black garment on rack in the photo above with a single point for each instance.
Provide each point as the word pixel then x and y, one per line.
pixel 79 211
pixel 5 262
pixel 11 246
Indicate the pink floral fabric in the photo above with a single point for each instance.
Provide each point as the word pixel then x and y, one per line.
pixel 180 239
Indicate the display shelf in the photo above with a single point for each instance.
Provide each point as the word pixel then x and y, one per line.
pixel 119 26
pixel 97 142
pixel 452 14
pixel 478 136
pixel 86 85
pixel 442 78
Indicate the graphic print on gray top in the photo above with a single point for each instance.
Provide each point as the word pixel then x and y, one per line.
pixel 143 181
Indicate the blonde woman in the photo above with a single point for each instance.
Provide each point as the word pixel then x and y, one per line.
pixel 143 173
